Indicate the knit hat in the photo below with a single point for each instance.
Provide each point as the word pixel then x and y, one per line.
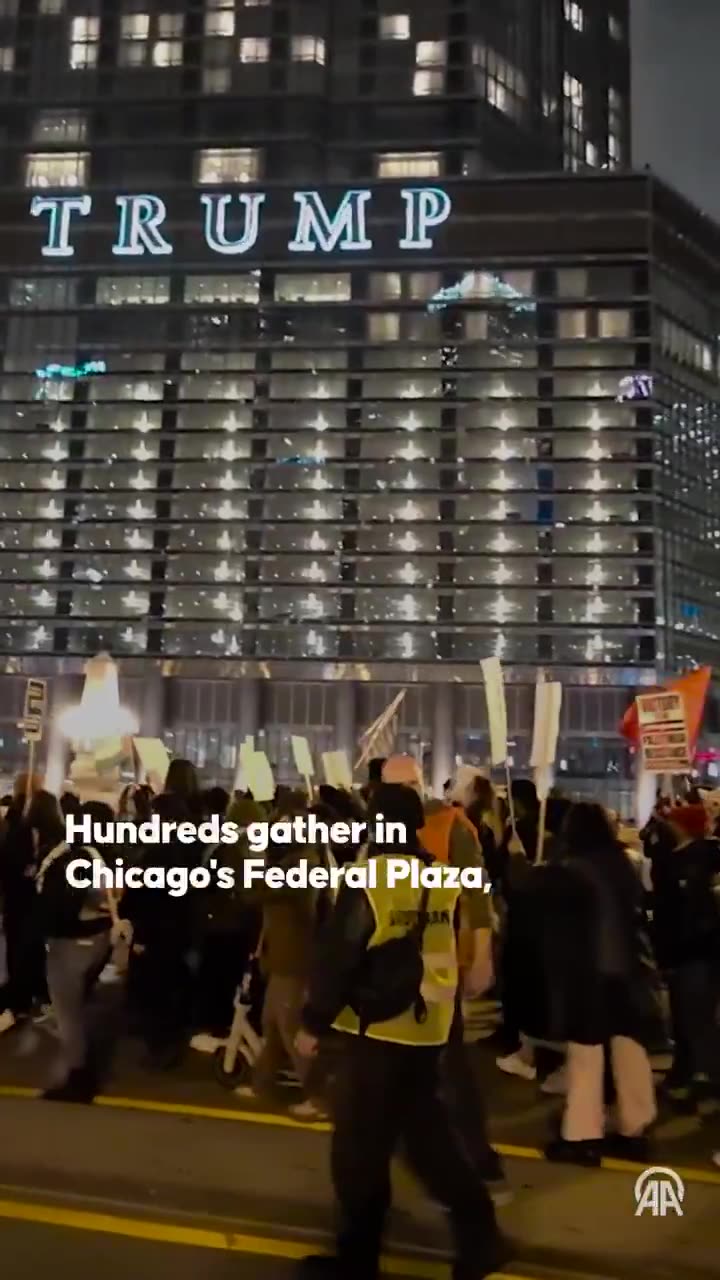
pixel 691 819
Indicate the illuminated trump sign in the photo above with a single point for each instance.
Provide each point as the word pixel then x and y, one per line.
pixel 232 222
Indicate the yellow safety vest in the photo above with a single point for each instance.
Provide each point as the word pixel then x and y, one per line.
pixel 395 911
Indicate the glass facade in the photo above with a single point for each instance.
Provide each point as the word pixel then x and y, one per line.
pixel 335 462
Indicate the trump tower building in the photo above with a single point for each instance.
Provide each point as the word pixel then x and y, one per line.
pixel 302 402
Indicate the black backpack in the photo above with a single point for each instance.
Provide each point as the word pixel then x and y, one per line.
pixel 390 979
pixel 60 903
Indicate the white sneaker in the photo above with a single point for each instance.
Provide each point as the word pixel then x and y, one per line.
pixel 205 1043
pixel 246 1091
pixel 307 1110
pixel 556 1082
pixel 716 1157
pixel 515 1065
pixel 7 1020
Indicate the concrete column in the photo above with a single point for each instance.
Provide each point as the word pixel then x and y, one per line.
pixel 443 735
pixel 151 712
pixel 65 691
pixel 346 719
pixel 249 708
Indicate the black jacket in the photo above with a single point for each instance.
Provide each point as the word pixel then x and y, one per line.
pixel 686 910
pixel 596 967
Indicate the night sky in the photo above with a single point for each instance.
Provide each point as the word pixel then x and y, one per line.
pixel 676 95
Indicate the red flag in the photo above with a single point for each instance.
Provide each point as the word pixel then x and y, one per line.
pixel 693 686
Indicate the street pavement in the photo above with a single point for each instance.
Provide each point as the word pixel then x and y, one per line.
pixel 29 1249
pixel 170 1175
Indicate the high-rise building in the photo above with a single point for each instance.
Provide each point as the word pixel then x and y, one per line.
pixel 296 385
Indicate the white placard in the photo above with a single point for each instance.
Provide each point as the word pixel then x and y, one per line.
pixel 258 776
pixel 546 729
pixel 663 732
pixel 154 759
pixel 302 757
pixel 496 708
pixel 336 768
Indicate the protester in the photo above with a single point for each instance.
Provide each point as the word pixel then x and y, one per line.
pixel 77 925
pixel 601 982
pixel 135 802
pixel 450 837
pixel 289 931
pixel 162 940
pixel 521 984
pixel 21 844
pixel 686 931
pixel 182 782
pixel 389 1089
pixel 226 933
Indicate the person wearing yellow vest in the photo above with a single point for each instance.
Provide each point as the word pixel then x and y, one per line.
pixel 450 836
pixel 388 1094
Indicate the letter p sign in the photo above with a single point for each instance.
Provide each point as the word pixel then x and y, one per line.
pixel 425 207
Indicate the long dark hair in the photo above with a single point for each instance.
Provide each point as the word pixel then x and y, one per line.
pixel 587 832
pixel 45 816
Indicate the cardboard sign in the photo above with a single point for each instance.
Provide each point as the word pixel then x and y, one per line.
pixel 154 758
pixel 258 776
pixel 496 709
pixel 34 710
pixel 302 757
pixel 337 770
pixel 664 739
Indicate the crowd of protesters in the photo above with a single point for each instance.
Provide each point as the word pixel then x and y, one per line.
pixel 601 944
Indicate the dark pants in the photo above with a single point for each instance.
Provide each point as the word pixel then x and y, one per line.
pixel 462 1090
pixel 25 955
pixel 161 983
pixel 223 961
pixel 694 992
pixel 387 1098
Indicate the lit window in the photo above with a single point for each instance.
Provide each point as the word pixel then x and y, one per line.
pixel 408 164
pixel 395 26
pixel 614 323
pixel 7 58
pixel 383 326
pixel 231 288
pixel 320 287
pixel 216 80
pixel 59 126
pixel 84 41
pixel 426 83
pixel 254 49
pixel 167 53
pixel 119 291
pixel 308 49
pixel 57 169
pixel 220 18
pixel 51 7
pixel 225 164
pixel 572 323
pixel 135 26
pixel 574 14
pixel 431 53
pixel 592 155
pixel 256 4
pixel 502 83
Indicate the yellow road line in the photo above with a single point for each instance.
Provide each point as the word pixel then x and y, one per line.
pixel 276 1120
pixel 204 1238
